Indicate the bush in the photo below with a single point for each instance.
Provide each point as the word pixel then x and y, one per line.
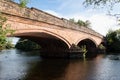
pixel 113 41
pixel 26 45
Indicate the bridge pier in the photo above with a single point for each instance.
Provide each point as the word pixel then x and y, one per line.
pixel 49 31
pixel 53 54
pixel 73 52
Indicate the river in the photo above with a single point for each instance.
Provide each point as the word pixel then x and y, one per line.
pixel 19 65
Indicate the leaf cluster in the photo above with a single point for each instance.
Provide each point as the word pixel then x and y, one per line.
pixel 26 45
pixel 81 23
pixel 4 30
pixel 113 41
pixel 100 2
pixel 22 3
pixel 108 4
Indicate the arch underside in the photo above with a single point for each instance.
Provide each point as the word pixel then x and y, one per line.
pixel 90 46
pixel 47 41
pixel 50 41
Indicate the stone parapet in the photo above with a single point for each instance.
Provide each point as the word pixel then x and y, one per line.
pixel 11 8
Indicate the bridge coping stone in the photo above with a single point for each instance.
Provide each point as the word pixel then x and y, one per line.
pixel 12 8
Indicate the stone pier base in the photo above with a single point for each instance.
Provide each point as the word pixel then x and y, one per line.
pixel 61 54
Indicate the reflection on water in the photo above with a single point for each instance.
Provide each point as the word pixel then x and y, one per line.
pixel 48 70
pixel 16 65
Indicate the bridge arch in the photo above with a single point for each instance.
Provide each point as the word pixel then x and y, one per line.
pixel 90 45
pixel 85 38
pixel 40 34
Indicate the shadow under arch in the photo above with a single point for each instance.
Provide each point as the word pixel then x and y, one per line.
pixel 88 39
pixel 39 33
pixel 50 42
pixel 90 45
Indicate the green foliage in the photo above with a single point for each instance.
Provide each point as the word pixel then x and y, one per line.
pixel 4 30
pixel 113 41
pixel 26 45
pixel 83 48
pixel 9 44
pixel 74 47
pixel 101 2
pixel 101 47
pixel 72 20
pixel 108 4
pixel 23 3
pixel 81 23
pixel 118 34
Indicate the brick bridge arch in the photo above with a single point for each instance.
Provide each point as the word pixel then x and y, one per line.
pixel 37 22
pixel 87 38
pixel 67 35
pixel 40 33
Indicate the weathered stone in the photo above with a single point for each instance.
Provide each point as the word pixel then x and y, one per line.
pixel 38 15
pixel 33 22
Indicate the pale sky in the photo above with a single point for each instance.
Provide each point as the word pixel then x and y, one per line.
pixel 100 21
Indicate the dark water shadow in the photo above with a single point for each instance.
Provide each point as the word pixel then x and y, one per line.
pixel 47 69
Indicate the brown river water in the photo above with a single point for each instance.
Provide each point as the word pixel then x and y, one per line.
pixel 19 65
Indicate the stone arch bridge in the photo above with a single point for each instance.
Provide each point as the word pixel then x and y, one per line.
pixel 46 29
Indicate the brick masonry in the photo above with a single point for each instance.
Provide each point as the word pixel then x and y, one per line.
pixel 32 19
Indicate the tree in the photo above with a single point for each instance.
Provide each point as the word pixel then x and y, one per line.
pixel 9 44
pixel 101 2
pixel 81 23
pixel 72 20
pixel 118 34
pixel 4 30
pixel 109 4
pixel 22 3
pixel 27 45
pixel 113 41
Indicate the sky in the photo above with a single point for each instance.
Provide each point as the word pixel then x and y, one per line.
pixel 100 21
